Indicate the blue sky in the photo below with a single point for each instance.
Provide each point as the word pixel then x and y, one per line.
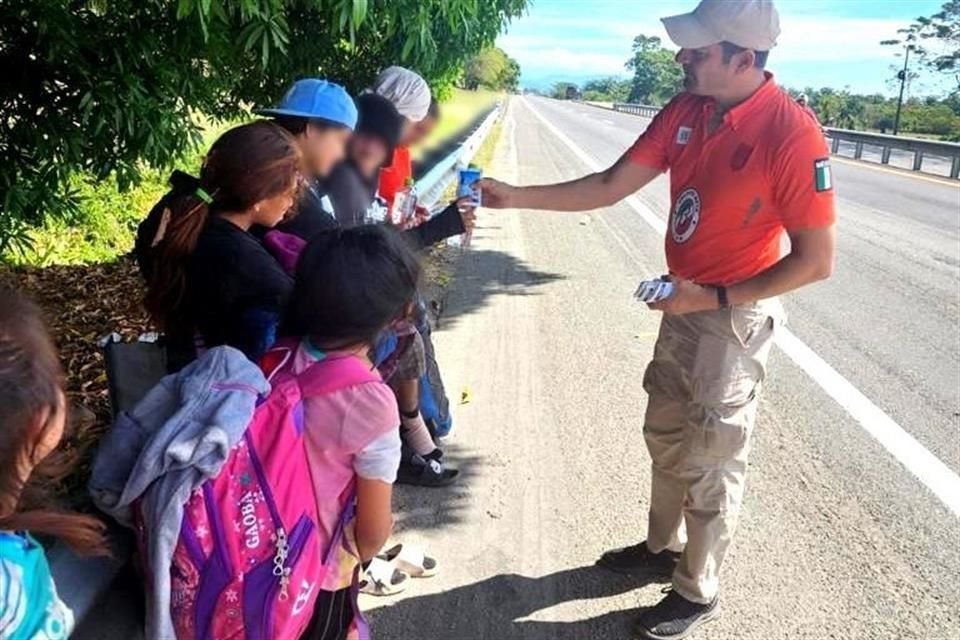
pixel 823 42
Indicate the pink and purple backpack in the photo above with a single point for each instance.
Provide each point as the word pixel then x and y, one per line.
pixel 250 557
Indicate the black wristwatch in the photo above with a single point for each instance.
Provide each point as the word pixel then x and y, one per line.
pixel 722 297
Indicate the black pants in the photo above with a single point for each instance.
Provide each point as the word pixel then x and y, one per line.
pixel 332 616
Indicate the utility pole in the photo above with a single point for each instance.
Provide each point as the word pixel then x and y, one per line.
pixel 903 82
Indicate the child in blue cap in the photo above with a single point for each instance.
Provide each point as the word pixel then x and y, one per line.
pixel 321 116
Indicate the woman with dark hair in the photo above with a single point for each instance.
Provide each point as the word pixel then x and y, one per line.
pixel 33 417
pixel 207 276
pixel 352 186
pixel 418 113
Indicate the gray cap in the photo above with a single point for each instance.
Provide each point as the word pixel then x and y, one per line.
pixel 751 24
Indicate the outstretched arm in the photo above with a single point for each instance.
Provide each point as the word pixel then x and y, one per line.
pixel 458 218
pixel 589 192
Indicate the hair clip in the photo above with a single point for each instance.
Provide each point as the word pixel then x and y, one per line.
pixel 203 195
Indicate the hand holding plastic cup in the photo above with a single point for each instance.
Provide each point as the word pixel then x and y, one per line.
pixel 468 187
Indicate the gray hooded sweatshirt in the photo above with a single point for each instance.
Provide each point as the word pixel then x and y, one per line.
pixel 177 437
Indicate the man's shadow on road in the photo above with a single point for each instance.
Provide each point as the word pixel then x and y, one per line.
pixel 493 609
pixel 483 274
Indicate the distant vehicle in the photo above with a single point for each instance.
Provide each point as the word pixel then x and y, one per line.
pixel 573 93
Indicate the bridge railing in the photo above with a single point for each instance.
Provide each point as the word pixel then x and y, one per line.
pixel 942 158
pixel 637 109
pixel 887 144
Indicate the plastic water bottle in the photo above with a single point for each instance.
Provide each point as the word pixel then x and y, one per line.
pixel 404 205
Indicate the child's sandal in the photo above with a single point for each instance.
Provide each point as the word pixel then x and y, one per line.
pixel 411 560
pixel 382 579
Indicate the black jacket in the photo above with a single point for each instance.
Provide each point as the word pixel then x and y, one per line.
pixel 446 224
pixel 352 195
pixel 234 289
pixel 314 213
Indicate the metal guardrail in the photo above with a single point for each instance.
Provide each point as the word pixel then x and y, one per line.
pixel 431 187
pixel 644 110
pixel 887 144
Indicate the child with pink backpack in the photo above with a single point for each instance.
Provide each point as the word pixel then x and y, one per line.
pixel 255 504
pixel 350 286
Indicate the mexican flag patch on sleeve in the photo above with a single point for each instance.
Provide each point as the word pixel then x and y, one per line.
pixel 822 176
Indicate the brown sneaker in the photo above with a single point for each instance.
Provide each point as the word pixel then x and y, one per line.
pixel 639 562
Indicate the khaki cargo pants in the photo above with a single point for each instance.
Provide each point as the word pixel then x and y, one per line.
pixel 703 385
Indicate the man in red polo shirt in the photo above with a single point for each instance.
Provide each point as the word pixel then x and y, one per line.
pixel 747 165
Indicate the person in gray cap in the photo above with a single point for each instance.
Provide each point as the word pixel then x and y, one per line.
pixel 747 165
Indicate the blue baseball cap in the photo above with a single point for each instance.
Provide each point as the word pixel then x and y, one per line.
pixel 317 100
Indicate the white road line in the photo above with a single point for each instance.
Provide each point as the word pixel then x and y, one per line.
pixel 930 470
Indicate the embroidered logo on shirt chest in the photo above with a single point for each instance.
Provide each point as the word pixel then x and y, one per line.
pixel 683 135
pixel 686 216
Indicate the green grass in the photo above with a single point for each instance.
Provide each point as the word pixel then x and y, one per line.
pixel 107 221
pixel 485 153
pixel 104 228
pixel 459 109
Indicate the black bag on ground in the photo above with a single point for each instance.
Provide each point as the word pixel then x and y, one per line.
pixel 133 368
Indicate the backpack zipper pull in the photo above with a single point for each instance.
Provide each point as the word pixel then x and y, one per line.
pixel 279 562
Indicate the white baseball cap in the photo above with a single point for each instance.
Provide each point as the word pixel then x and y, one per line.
pixel 751 24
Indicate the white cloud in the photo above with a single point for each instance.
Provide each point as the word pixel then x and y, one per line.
pixel 600 43
pixel 572 61
pixel 810 39
pixel 599 46
pixel 534 43
pixel 602 31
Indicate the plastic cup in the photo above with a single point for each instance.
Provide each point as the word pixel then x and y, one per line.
pixel 465 189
